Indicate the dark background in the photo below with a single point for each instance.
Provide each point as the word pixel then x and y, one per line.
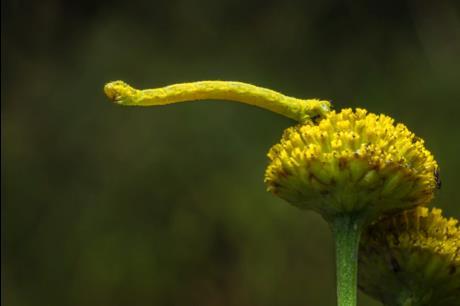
pixel 110 205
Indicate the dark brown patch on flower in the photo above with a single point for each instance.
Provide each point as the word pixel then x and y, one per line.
pixel 343 163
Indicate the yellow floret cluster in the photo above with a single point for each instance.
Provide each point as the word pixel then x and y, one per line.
pixel 352 161
pixel 415 256
pixel 426 230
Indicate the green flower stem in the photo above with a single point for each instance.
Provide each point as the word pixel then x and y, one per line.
pixel 347 232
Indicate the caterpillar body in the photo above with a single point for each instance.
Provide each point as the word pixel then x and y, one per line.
pixel 302 110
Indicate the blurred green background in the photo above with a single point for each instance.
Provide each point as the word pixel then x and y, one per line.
pixel 109 205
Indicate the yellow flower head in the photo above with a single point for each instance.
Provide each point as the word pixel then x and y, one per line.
pixel 412 259
pixel 352 161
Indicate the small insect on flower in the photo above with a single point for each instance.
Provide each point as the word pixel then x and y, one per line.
pixel 437 178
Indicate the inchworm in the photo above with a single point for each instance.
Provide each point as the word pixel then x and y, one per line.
pixel 297 109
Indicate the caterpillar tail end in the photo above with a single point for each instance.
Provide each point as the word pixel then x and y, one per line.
pixel 314 110
pixel 119 92
pixel 324 107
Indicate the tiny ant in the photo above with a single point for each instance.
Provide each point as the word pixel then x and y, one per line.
pixel 437 178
